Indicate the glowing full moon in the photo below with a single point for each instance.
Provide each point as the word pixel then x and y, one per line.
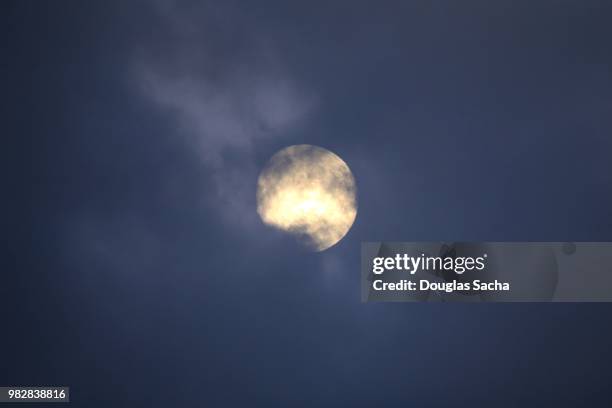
pixel 308 191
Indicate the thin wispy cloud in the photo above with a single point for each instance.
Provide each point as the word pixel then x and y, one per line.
pixel 223 103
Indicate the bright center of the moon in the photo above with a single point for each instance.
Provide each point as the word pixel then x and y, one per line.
pixel 310 192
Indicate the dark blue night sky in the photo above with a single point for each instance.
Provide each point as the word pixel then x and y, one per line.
pixel 136 270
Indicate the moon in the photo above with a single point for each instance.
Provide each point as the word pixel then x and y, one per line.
pixel 308 192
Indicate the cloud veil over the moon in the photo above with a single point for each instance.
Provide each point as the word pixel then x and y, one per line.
pixel 310 192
